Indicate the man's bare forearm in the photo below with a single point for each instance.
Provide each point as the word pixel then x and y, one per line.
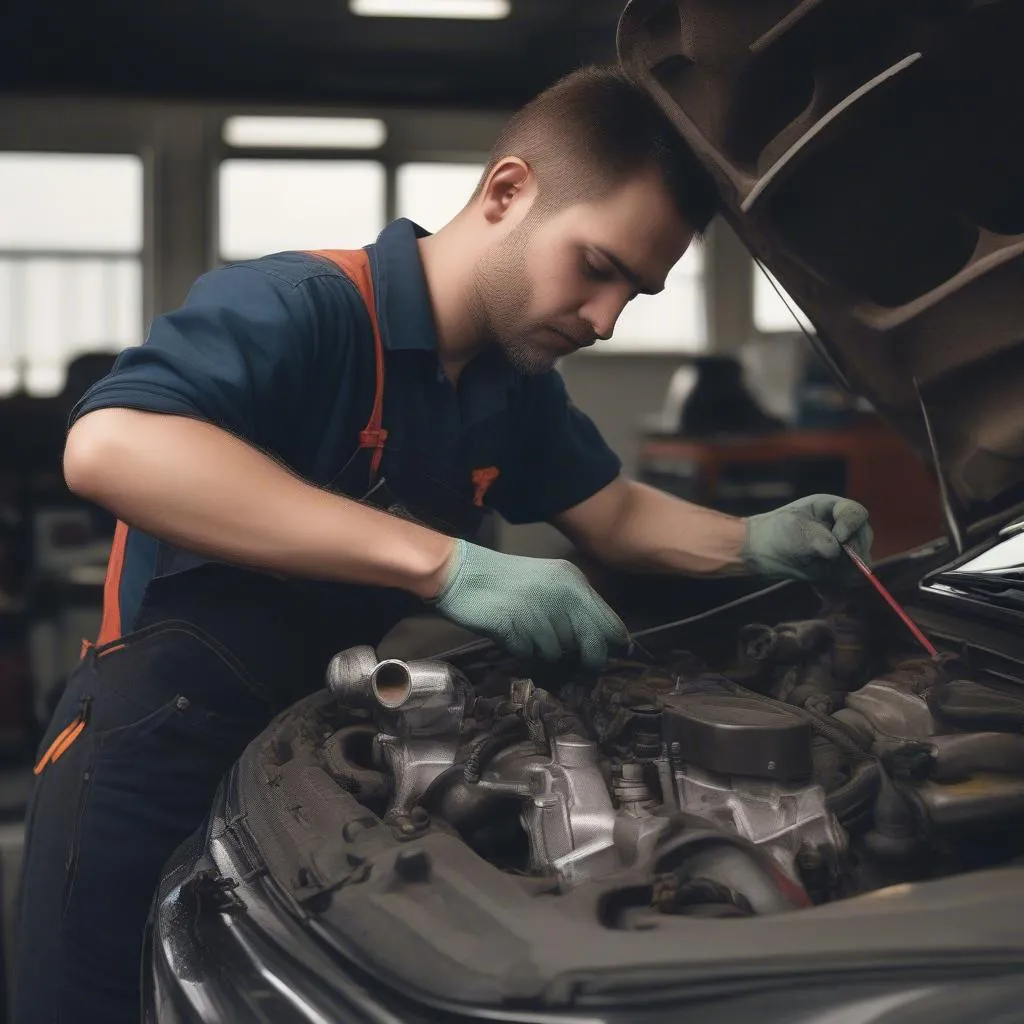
pixel 195 485
pixel 632 526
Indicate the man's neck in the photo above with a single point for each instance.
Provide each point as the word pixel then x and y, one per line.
pixel 448 262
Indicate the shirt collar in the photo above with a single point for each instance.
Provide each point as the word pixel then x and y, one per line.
pixel 400 288
pixel 404 310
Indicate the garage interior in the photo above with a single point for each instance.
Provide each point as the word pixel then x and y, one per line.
pixel 142 145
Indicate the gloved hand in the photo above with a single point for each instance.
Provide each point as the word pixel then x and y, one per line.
pixel 802 540
pixel 533 607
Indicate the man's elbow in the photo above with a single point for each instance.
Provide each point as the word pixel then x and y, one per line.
pixel 594 524
pixel 89 453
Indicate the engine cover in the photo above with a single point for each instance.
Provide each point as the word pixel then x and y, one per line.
pixel 734 735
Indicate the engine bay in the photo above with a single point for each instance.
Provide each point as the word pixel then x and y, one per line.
pixel 820 760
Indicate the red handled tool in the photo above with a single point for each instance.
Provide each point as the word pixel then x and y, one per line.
pixel 893 603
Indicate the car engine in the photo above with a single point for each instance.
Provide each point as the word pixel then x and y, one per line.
pixel 810 768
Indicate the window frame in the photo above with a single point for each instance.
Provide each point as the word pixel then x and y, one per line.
pixel 406 141
pixel 479 163
pixel 62 136
pixel 282 156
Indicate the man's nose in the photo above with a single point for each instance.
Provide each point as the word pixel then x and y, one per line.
pixel 602 313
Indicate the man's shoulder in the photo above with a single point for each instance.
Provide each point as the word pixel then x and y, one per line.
pixel 296 286
pixel 290 268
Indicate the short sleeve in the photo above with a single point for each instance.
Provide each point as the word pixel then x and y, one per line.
pixel 559 456
pixel 238 353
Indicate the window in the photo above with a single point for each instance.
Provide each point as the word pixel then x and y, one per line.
pixel 270 206
pixel 673 321
pixel 772 314
pixel 305 132
pixel 432 193
pixel 71 240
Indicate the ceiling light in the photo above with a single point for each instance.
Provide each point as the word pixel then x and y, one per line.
pixel 468 9
pixel 305 132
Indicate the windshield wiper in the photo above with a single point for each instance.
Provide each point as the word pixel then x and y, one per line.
pixel 1005 588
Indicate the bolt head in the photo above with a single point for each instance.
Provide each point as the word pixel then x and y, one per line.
pixel 413 865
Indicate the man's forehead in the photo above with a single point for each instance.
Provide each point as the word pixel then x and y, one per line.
pixel 644 215
pixel 642 253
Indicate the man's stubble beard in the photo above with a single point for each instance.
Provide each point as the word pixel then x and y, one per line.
pixel 500 302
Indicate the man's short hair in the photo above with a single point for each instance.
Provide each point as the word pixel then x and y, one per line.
pixel 593 130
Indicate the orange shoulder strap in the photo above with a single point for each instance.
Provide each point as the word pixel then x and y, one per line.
pixel 110 623
pixel 355 265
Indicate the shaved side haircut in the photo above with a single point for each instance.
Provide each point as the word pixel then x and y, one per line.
pixel 593 130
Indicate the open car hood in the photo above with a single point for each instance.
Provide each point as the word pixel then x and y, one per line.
pixel 869 154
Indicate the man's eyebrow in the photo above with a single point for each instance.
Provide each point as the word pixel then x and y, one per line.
pixel 628 273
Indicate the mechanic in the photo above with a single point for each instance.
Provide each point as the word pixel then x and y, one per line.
pixel 302 454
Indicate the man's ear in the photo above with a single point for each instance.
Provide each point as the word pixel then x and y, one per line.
pixel 509 190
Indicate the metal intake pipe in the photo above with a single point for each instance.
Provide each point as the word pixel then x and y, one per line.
pixel 416 697
pixel 417 706
pixel 392 683
pixel 348 673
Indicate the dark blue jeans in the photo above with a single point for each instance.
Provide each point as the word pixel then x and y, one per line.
pixel 169 710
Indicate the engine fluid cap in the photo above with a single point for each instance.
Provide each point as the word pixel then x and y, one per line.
pixel 735 735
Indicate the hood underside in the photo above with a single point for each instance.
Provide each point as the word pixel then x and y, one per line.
pixel 869 154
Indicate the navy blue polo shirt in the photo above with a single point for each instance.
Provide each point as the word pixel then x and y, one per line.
pixel 279 351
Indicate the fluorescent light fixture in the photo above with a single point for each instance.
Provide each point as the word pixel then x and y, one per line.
pixel 305 132
pixel 483 10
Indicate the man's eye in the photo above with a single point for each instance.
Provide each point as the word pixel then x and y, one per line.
pixel 595 272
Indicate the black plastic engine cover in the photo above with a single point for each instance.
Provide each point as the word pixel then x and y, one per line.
pixel 735 735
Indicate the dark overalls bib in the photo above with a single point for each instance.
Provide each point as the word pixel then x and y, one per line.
pixel 151 720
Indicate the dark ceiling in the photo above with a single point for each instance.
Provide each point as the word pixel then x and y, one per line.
pixel 296 50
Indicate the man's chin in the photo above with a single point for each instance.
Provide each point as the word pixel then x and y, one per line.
pixel 533 360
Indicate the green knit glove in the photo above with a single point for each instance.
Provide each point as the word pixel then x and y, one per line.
pixel 802 540
pixel 533 607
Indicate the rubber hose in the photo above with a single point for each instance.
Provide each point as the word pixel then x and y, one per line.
pixel 506 731
pixel 556 718
pixel 853 802
pixel 758 642
pixel 835 732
